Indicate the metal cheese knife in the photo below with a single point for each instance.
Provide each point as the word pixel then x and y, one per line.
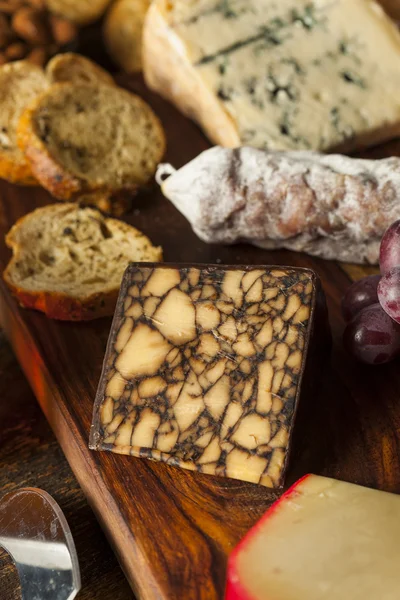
pixel 34 531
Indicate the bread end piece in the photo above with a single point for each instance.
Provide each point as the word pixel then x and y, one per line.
pixel 70 67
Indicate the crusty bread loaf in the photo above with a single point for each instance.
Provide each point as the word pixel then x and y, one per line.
pixel 68 260
pixel 20 83
pixel 123 29
pixel 252 72
pixel 82 138
pixel 82 12
pixel 75 68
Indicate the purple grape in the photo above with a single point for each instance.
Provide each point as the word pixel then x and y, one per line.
pixel 389 293
pixel 372 336
pixel 359 295
pixel 390 248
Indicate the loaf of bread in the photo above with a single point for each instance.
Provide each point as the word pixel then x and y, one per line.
pixel 84 138
pixel 330 206
pixel 75 68
pixel 81 12
pixel 20 83
pixel 68 260
pixel 123 28
pixel 278 75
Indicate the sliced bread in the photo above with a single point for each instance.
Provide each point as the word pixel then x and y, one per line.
pixel 82 12
pixel 81 138
pixel 20 83
pixel 123 28
pixel 75 68
pixel 68 260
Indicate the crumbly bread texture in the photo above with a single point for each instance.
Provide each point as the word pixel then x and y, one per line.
pixel 75 68
pixel 20 83
pixel 287 75
pixel 123 28
pixel 68 261
pixel 81 12
pixel 82 138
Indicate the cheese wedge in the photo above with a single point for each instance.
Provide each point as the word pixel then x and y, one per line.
pixel 323 540
pixel 278 74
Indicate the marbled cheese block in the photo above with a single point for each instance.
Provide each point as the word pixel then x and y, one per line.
pixel 323 540
pixel 204 367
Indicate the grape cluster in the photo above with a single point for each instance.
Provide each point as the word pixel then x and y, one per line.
pixel 371 307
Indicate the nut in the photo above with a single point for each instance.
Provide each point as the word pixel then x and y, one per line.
pixel 40 4
pixel 16 51
pixel 5 31
pixel 30 25
pixel 38 56
pixel 63 30
pixel 8 7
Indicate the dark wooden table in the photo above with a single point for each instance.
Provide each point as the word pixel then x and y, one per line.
pixel 31 457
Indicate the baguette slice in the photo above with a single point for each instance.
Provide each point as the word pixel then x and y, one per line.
pixel 75 68
pixel 123 29
pixel 20 83
pixel 81 12
pixel 287 75
pixel 82 138
pixel 68 261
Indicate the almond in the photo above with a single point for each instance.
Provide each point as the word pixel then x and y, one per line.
pixel 63 30
pixel 16 51
pixel 30 25
pixel 5 31
pixel 38 56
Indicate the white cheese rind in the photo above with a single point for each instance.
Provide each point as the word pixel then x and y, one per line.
pixel 283 75
pixel 325 539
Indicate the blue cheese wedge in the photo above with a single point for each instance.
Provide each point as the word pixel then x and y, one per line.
pixel 278 74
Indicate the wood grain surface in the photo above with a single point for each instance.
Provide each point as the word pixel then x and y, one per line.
pixel 172 530
pixel 30 456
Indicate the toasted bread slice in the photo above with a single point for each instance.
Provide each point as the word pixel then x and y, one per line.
pixel 82 138
pixel 75 68
pixel 123 28
pixel 20 83
pixel 81 12
pixel 68 260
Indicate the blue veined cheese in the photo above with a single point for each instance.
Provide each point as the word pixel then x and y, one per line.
pixel 278 74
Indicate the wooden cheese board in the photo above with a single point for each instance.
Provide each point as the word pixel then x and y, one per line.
pixel 173 530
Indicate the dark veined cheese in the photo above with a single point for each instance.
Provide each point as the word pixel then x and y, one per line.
pixel 205 367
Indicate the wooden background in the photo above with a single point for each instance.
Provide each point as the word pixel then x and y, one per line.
pixel 172 530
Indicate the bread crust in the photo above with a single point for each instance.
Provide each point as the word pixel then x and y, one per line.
pixel 61 183
pixel 122 30
pixel 13 166
pixel 175 79
pixel 58 305
pixel 16 172
pixel 71 67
